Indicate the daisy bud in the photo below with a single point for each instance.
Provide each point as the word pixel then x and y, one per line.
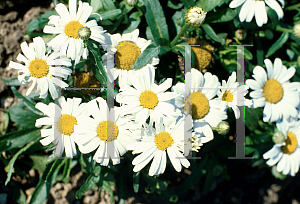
pixel 195 16
pixel 240 34
pixel 131 2
pixel 296 30
pixel 278 137
pixel 84 33
pixel 223 128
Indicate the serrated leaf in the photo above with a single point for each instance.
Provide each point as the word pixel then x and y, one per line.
pixel 211 33
pixel 221 15
pixel 133 21
pixel 156 19
pixel 278 44
pixel 98 69
pixel 150 52
pixel 14 158
pixel 211 4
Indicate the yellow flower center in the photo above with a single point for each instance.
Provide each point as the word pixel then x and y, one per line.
pixel 107 131
pixel 65 124
pixel 291 143
pixel 200 105
pixel 148 99
pixel 72 28
pixel 126 55
pixel 38 68
pixel 227 96
pixel 163 141
pixel 273 91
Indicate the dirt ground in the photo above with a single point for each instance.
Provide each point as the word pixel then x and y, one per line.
pixel 247 185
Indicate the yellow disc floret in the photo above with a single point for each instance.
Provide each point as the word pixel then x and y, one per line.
pixel 273 91
pixel 227 96
pixel 71 29
pixel 291 143
pixel 148 99
pixel 200 105
pixel 163 141
pixel 65 124
pixel 126 55
pixel 107 131
pixel 38 68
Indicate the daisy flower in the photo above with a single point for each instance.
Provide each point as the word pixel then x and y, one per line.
pixel 63 119
pixel 198 101
pixel 286 153
pixel 73 29
pixel 122 54
pixel 229 93
pixel 273 91
pixel 257 8
pixel 146 99
pixel 110 142
pixel 156 144
pixel 44 70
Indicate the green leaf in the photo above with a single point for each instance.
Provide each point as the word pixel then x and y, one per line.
pixel 211 4
pixel 4 122
pixel 98 70
pixel 278 44
pixel 176 18
pixel 90 183
pixel 251 117
pixel 56 166
pixel 18 138
pixel 12 81
pixel 12 161
pixel 111 15
pixel 136 182
pixel 27 102
pixel 67 170
pixel 211 33
pixel 133 21
pixel 150 52
pixel 188 3
pixel 105 186
pixel 156 19
pixel 221 15
pixel 102 5
pixel 171 5
pixel 39 162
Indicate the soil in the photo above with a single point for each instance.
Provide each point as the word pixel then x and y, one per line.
pixel 247 185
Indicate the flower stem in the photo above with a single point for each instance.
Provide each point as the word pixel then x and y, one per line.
pixel 174 41
pixel 293 7
pixel 284 29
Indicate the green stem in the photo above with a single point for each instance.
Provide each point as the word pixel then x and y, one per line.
pixel 292 7
pixel 174 41
pixel 284 29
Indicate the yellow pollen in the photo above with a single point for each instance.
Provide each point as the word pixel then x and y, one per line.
pixel 65 124
pixel 38 68
pixel 273 91
pixel 227 96
pixel 200 105
pixel 107 131
pixel 72 28
pixel 163 141
pixel 291 143
pixel 148 99
pixel 126 55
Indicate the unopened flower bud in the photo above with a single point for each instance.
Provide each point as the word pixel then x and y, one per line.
pixel 240 34
pixel 131 2
pixel 195 16
pixel 278 137
pixel 223 128
pixel 84 33
pixel 296 30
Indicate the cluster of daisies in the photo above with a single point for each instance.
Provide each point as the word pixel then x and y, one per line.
pixel 150 120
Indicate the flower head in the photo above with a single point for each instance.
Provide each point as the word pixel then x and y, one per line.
pixel 296 30
pixel 195 16
pixel 44 70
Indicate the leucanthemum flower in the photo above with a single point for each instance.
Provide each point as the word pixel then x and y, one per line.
pixel 123 53
pixel 43 70
pixel 146 99
pixel 273 91
pixel 73 29
pixel 198 101
pixel 232 95
pixel 287 153
pixel 156 144
pixel 63 119
pixel 107 131
pixel 195 16
pixel 257 8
